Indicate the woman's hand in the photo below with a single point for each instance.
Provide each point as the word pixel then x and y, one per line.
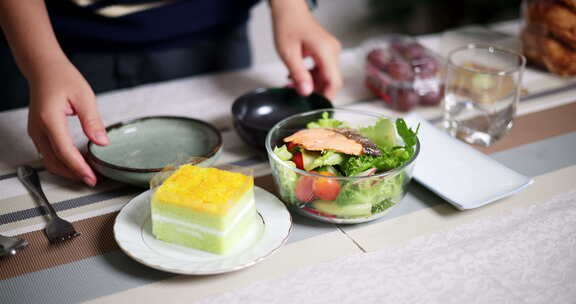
pixel 298 35
pixel 57 89
pixel 57 92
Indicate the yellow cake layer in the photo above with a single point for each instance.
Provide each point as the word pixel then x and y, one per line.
pixel 207 190
pixel 218 223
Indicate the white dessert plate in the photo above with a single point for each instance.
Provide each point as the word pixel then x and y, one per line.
pixel 462 175
pixel 133 232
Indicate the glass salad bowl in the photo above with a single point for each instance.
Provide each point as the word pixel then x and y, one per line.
pixel 333 184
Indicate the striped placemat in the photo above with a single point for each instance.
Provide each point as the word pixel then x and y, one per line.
pixel 94 210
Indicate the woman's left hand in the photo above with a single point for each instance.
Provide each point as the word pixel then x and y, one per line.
pixel 298 35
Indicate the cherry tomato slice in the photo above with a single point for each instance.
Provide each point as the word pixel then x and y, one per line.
pixel 326 188
pixel 304 189
pixel 298 160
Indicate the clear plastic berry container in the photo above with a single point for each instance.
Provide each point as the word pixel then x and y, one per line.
pixel 402 72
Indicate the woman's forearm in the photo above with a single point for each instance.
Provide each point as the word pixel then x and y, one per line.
pixel 29 32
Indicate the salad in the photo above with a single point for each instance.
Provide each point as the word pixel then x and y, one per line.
pixel 335 153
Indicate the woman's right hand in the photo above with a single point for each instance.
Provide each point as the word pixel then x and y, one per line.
pixel 58 91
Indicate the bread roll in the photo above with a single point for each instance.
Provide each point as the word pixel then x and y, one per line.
pixel 551 53
pixel 554 19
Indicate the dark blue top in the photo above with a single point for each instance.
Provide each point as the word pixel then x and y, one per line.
pixel 106 25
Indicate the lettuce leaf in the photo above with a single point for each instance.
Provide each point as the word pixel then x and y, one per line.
pixel 287 179
pixel 381 206
pixel 372 191
pixel 408 135
pixel 326 122
pixel 283 153
pixel 354 165
pixel 327 158
pixel 391 158
pixel 382 133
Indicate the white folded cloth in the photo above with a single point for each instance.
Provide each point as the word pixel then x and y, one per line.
pixel 525 256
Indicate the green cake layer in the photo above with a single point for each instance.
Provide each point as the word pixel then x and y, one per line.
pixel 199 238
pixel 204 231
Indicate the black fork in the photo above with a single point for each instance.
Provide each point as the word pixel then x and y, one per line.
pixel 57 229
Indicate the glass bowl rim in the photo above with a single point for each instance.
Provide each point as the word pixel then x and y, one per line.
pixel 352 178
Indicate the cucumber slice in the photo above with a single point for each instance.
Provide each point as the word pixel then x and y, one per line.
pixel 330 207
pixel 308 158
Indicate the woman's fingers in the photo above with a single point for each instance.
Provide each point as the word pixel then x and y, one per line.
pixel 327 68
pixel 291 54
pixel 56 125
pixel 50 161
pixel 85 108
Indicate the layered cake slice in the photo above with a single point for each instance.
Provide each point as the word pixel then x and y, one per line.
pixel 204 208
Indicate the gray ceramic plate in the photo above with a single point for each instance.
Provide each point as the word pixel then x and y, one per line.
pixel 140 148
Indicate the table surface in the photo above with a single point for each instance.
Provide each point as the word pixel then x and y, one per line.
pixel 423 250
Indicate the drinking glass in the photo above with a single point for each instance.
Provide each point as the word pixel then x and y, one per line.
pixel 481 88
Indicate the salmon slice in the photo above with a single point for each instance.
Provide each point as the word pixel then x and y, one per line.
pixel 345 141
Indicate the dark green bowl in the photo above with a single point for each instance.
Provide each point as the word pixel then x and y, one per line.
pixel 256 112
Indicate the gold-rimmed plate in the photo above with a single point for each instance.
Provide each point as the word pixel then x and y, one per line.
pixel 133 232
